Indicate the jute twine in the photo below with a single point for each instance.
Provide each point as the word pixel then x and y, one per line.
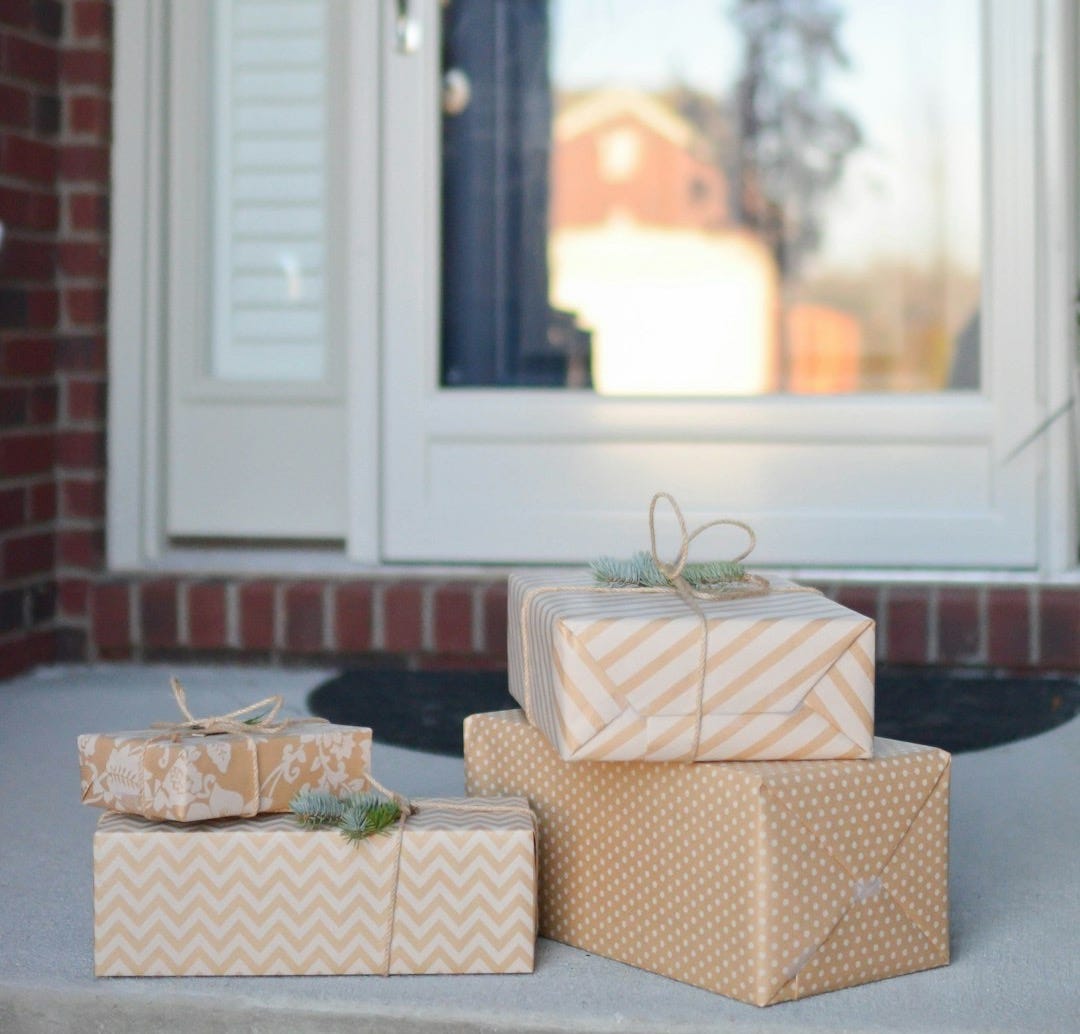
pixel 750 585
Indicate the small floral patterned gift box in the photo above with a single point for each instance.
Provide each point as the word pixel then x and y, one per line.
pixel 213 768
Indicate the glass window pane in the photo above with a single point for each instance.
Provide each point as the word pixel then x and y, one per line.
pixel 702 198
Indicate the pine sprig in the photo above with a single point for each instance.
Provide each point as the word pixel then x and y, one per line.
pixel 316 808
pixel 640 571
pixel 356 817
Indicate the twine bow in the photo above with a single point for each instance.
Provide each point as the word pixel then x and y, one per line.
pixel 260 717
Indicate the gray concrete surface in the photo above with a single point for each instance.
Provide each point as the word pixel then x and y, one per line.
pixel 1015 887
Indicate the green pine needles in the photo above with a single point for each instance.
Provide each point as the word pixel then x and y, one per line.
pixel 640 571
pixel 357 817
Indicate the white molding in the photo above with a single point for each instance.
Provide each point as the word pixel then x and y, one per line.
pixel 361 322
pixel 135 282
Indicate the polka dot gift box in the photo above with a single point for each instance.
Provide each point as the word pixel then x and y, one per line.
pixel 764 881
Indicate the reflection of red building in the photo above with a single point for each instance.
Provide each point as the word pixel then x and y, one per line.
pixel 623 154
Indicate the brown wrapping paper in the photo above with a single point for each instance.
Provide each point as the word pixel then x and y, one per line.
pixel 615 674
pixel 189 778
pixel 764 881
pixel 263 896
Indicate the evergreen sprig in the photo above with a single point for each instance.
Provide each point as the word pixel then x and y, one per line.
pixel 640 571
pixel 356 817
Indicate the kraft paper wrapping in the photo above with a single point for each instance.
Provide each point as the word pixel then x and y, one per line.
pixel 190 778
pixel 615 674
pixel 262 896
pixel 763 881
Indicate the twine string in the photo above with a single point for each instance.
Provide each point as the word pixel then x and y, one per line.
pixel 408 808
pixel 746 587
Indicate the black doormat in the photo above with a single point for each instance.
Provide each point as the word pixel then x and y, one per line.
pixel 957 709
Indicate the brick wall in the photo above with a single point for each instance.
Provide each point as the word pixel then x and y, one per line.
pixel 462 624
pixel 56 603
pixel 55 78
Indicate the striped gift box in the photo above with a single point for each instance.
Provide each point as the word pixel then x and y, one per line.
pixel 263 896
pixel 615 674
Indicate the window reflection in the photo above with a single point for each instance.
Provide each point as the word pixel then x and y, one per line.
pixel 746 198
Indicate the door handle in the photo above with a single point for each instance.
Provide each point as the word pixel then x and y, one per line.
pixel 406 28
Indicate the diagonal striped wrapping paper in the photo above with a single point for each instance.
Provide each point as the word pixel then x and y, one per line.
pixel 764 881
pixel 614 674
pixel 263 896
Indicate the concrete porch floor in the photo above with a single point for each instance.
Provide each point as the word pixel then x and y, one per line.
pixel 1015 888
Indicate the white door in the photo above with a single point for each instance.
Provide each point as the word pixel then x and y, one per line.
pixel 257 424
pixel 830 471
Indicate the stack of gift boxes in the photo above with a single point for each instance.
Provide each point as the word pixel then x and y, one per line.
pixel 198 872
pixel 700 762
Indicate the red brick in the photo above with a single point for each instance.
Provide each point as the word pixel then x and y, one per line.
pixel 28 357
pixel 85 400
pixel 111 618
pixel 83 498
pixel 25 59
pixel 863 599
pixel 907 611
pixel 495 607
pixel 42 499
pixel 90 67
pixel 74 595
pixel 82 352
pixel 85 306
pixel 453 619
pixel 22 454
pixel 256 601
pixel 1059 628
pixel 28 554
pixel 43 404
pixel 14 406
pixel 157 605
pixel 958 626
pixel 304 617
pixel 80 450
pixel 82 548
pixel 1008 637
pixel 83 259
pixel 22 158
pixel 29 210
pixel 403 624
pixel 206 615
pixel 17 13
pixel 89 115
pixel 14 107
pixel 88 211
pixel 12 508
pixel 352 617
pixel 459 662
pixel 83 162
pixel 27 260
pixel 93 19
pixel 26 652
pixel 42 309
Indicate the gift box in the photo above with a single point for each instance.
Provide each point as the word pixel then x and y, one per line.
pixel 453 890
pixel 643 674
pixel 187 776
pixel 764 881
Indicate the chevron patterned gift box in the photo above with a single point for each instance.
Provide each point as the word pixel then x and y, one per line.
pixel 632 674
pixel 190 777
pixel 764 881
pixel 453 891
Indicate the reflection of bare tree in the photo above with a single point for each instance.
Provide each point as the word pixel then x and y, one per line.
pixel 792 140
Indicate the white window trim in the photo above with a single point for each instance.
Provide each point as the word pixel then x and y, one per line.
pixel 135 535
